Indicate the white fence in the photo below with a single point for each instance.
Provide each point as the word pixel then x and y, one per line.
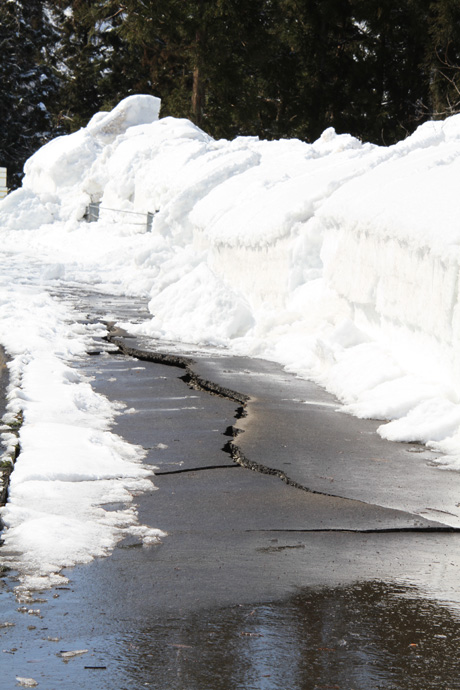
pixel 3 187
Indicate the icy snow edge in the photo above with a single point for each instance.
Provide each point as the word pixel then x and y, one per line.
pixel 70 465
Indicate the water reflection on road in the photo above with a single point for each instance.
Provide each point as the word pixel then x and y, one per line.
pixel 361 637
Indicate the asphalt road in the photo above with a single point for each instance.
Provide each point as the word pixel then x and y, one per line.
pixel 328 558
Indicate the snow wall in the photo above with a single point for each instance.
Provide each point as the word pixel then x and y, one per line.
pixel 338 259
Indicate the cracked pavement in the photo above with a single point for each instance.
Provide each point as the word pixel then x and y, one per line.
pixel 290 428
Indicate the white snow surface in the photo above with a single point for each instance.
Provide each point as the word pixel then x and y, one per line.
pixel 70 464
pixel 338 259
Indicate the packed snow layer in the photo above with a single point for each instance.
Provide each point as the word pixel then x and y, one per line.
pixel 338 259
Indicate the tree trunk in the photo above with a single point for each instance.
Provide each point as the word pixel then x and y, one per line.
pixel 198 85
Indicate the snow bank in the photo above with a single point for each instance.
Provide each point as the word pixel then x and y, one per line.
pixel 52 183
pixel 339 259
pixel 70 465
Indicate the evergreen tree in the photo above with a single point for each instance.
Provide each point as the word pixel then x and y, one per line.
pixel 146 53
pixel 443 58
pixel 321 37
pixel 392 48
pixel 231 47
pixel 356 66
pixel 205 60
pixel 77 58
pixel 27 82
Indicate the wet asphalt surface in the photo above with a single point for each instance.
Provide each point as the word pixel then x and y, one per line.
pixel 329 560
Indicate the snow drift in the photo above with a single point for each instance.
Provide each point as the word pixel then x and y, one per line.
pixel 338 259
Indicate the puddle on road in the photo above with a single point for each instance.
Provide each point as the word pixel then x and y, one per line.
pixel 371 636
pixel 364 637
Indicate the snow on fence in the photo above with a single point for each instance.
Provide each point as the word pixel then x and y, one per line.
pixel 3 186
pixel 93 210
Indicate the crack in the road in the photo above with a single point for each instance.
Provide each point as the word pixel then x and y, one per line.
pixel 201 468
pixel 196 382
pixel 371 530
pixel 190 377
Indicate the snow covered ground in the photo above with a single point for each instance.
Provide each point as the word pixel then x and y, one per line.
pixel 338 259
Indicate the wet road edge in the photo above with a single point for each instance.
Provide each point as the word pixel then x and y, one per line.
pixel 8 457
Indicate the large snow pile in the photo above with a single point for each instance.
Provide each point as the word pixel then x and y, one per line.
pixel 338 259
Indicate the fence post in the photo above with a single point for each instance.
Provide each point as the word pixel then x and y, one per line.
pixel 149 221
pixel 92 212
